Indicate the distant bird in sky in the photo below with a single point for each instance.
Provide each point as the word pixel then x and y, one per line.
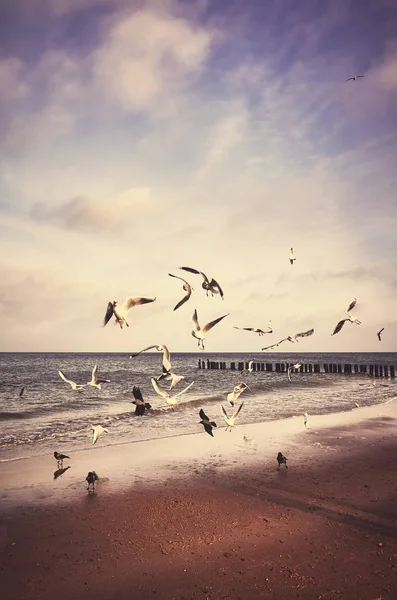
pixel 208 425
pixel 209 286
pixel 23 389
pixel 95 381
pixel 120 312
pixel 75 386
pixel 260 332
pixel 60 458
pixel 141 406
pixel 188 289
pixel 91 478
pixel 230 421
pixel 292 256
pixel 97 431
pixel 339 325
pixel 354 78
pixel 380 333
pixel 199 333
pixel 235 394
pixel 172 400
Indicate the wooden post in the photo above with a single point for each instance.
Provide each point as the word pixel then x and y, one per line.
pixel 269 367
pixel 325 368
pixel 240 366
pixel 392 371
pixel 380 371
pixel 263 366
pixel 386 369
pixel 233 366
pixel 277 367
pixel 316 368
pixel 282 367
pixel 371 370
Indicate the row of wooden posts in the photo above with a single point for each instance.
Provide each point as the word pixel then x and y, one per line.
pixel 371 370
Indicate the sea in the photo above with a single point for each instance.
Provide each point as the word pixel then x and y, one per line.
pixel 51 416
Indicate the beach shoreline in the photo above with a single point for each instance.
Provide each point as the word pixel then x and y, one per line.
pixel 212 518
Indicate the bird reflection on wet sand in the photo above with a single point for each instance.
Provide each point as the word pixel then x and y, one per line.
pixel 60 472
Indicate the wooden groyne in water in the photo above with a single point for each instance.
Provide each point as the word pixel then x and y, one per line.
pixel 282 367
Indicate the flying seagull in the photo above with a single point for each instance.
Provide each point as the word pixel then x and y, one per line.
pixel 354 78
pixel 120 312
pixel 349 318
pixel 172 400
pixel 166 373
pixel 302 334
pixel 256 329
pixel 230 420
pixel 235 394
pixel 60 458
pixel 95 381
pixel 98 430
pixel 291 256
pixel 289 370
pixel 141 406
pixel 208 425
pixel 23 389
pixel 199 333
pixel 209 286
pixel 379 334
pixel 75 386
pixel 187 288
pixel 250 368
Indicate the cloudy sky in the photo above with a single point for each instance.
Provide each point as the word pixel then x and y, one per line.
pixel 138 137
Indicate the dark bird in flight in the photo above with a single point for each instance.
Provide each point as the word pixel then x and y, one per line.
pixel 120 311
pixel 354 78
pixel 349 318
pixel 141 406
pixel 60 458
pixel 379 334
pixel 208 425
pixel 187 288
pixel 209 286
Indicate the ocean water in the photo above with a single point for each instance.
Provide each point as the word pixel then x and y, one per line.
pixel 51 416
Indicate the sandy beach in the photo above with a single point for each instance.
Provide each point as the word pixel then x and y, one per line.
pixel 194 517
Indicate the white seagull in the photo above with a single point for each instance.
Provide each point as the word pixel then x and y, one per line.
pixel 120 312
pixel 291 256
pixel 95 381
pixel 291 338
pixel 230 420
pixel 199 333
pixel 354 78
pixel 75 386
pixel 235 394
pixel 289 370
pixel 97 431
pixel 167 373
pixel 209 286
pixel 349 318
pixel 167 397
pixel 187 288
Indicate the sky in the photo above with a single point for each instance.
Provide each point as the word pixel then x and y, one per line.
pixel 139 137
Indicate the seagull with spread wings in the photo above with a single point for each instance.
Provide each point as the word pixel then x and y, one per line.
pixel 199 333
pixel 120 312
pixel 172 400
pixel 260 332
pixel 141 406
pixel 74 386
pixel 354 78
pixel 230 421
pixel 236 393
pixel 187 288
pixel 292 368
pixel 380 333
pixel 97 431
pixel 339 325
pixel 95 381
pixel 208 425
pixel 302 334
pixel 166 373
pixel 208 285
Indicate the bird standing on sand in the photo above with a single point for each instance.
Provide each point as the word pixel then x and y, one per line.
pixel 235 394
pixel 91 478
pixel 97 431
pixel 60 458
pixel 75 386
pixel 120 312
pixel 208 425
pixel 282 460
pixel 209 286
pixel 95 381
pixel 354 78
pixel 172 400
pixel 230 421
pixel 292 256
pixel 380 333
pixel 187 288
pixel 141 406
pixel 199 333
pixel 349 318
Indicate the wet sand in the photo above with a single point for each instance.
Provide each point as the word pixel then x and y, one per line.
pixel 194 517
